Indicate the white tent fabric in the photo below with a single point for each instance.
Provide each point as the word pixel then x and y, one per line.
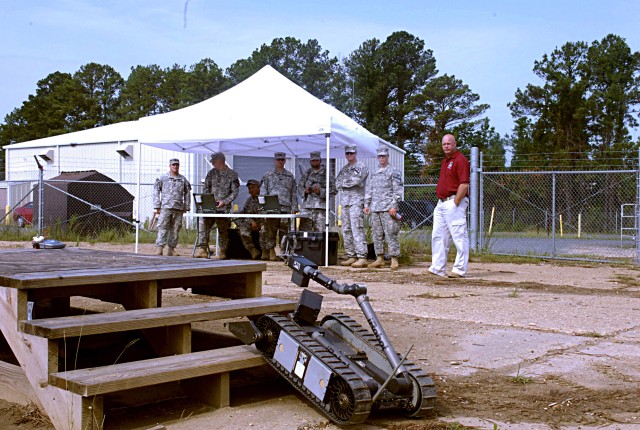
pixel 264 114
pixel 119 132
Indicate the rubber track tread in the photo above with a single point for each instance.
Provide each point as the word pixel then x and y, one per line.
pixel 427 386
pixel 361 394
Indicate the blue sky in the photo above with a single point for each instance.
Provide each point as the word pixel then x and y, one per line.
pixel 490 45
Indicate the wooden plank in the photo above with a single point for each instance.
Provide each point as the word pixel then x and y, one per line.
pixel 232 286
pixel 14 386
pixel 124 376
pixel 32 353
pixel 83 325
pixel 170 340
pixel 210 389
pixel 83 267
pixel 140 295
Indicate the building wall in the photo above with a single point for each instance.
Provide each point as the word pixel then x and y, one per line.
pixel 22 171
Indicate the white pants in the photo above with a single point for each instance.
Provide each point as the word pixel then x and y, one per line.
pixel 450 224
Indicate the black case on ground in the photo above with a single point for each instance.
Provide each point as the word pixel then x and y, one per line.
pixel 236 249
pixel 311 245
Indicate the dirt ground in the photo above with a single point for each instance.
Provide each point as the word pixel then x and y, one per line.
pixel 511 346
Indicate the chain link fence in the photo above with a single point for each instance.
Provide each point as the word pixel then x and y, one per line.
pixel 590 215
pixel 560 214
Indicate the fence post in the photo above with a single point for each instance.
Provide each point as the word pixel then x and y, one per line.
pixel 481 207
pixel 473 184
pixel 553 214
pixel 637 213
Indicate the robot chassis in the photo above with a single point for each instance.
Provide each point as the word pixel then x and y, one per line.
pixel 345 370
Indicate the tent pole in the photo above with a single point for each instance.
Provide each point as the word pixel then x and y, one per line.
pixel 327 199
pixel 137 217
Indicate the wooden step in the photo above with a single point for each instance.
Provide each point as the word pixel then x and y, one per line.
pixel 124 376
pixel 84 325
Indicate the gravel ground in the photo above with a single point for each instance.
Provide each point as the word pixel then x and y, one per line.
pixel 521 346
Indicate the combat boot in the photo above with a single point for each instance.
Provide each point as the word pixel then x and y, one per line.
pixel 172 252
pixel 360 263
pixel 200 253
pixel 272 255
pixel 265 254
pixel 349 261
pixel 159 250
pixel 254 253
pixel 378 263
pixel 394 263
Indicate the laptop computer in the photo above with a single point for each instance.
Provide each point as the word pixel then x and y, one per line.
pixel 269 204
pixel 205 203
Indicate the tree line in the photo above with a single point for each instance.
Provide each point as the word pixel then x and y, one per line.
pixel 585 107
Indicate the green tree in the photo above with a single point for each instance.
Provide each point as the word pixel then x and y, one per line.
pixel 171 91
pixel 483 136
pixel 614 92
pixel 388 79
pixel 53 110
pixel 141 94
pixel 447 105
pixel 306 64
pixel 557 110
pixel 368 87
pixel 203 81
pixel 100 94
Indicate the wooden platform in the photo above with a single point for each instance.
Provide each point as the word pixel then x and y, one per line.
pixel 46 279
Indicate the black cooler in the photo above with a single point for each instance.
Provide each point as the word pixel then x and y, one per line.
pixel 311 245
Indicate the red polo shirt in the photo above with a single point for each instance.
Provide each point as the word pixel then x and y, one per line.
pixel 453 172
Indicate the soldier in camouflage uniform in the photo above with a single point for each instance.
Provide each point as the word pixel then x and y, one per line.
pixel 351 182
pixel 382 196
pixel 314 185
pixel 224 184
pixel 282 183
pixel 171 199
pixel 247 226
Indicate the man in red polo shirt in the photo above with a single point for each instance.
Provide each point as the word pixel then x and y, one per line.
pixel 450 215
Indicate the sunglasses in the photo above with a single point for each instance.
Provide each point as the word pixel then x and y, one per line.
pixel 349 153
pixel 382 156
pixel 175 164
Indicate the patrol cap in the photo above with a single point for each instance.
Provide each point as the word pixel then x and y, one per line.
pixel 217 156
pixel 382 150
pixel 279 155
pixel 315 155
pixel 350 148
pixel 174 161
pixel 252 182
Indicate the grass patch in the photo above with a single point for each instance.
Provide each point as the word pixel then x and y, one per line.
pixel 521 378
pixel 514 294
pixel 627 281
pixel 435 296
pixel 594 334
pixel 108 235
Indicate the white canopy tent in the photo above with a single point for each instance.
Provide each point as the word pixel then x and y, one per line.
pixel 264 114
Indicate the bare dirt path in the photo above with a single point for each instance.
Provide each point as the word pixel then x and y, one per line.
pixel 521 346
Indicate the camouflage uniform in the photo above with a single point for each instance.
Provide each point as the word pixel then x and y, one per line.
pixel 284 186
pixel 251 206
pixel 172 195
pixel 351 182
pixel 224 186
pixel 314 205
pixel 383 192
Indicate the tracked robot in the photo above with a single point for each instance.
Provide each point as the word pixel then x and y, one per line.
pixel 345 370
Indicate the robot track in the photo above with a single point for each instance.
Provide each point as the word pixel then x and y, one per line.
pixel 423 397
pixel 347 400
